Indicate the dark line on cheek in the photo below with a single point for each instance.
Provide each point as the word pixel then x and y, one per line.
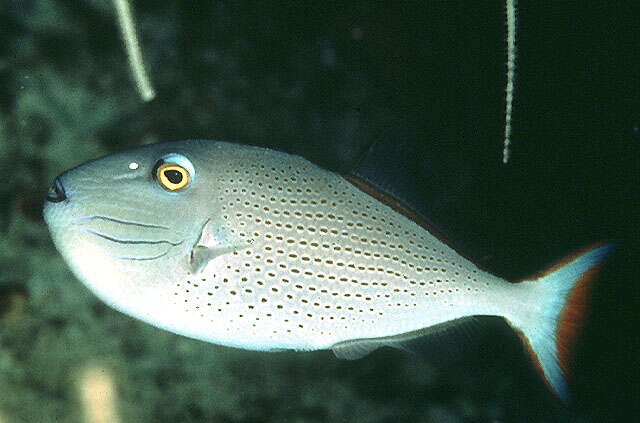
pixel 126 241
pixel 143 258
pixel 126 222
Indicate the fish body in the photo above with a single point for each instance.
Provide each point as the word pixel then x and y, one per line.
pixel 264 250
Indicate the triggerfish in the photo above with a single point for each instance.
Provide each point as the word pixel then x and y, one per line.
pixel 253 248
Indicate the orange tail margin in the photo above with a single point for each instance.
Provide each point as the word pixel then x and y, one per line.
pixel 573 317
pixel 551 326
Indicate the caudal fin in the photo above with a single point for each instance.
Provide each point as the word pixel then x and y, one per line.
pixel 555 310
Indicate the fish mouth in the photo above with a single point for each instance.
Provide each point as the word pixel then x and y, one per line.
pixel 56 192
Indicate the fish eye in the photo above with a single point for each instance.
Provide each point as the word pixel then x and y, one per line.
pixel 174 173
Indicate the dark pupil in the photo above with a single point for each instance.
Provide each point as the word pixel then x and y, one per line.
pixel 174 176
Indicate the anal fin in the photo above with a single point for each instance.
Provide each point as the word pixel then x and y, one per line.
pixel 358 348
pixel 439 344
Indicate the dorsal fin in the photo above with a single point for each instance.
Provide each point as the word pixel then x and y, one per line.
pixel 402 208
pixel 390 164
pixel 398 205
pixel 397 170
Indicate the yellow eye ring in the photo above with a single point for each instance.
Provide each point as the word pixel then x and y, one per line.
pixel 173 177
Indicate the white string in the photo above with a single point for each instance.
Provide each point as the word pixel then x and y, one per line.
pixel 128 30
pixel 511 67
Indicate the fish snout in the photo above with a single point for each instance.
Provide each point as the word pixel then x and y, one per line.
pixel 56 193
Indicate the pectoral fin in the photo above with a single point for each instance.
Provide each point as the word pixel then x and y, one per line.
pixel 213 241
pixel 201 256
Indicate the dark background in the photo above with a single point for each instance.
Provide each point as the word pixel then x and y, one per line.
pixel 411 92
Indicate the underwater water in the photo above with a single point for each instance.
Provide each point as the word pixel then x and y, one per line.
pixel 415 89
